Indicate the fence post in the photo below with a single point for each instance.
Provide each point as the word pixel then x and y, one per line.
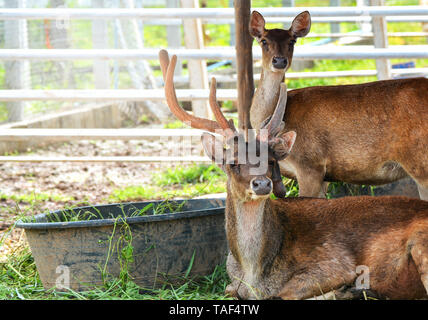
pixel 198 76
pixel 287 4
pixel 380 39
pixel 17 72
pixel 101 68
pixel 424 24
pixel 334 26
pixel 232 40
pixel 173 36
pixel 244 62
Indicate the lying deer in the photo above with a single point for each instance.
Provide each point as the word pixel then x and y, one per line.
pixel 373 133
pixel 295 248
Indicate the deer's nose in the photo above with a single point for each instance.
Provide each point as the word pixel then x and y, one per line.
pixel 261 186
pixel 279 62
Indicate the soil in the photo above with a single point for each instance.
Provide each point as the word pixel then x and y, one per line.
pixel 67 183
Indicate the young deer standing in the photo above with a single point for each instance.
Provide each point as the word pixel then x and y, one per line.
pixel 297 248
pixel 373 133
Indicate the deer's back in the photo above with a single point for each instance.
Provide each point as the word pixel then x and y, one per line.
pixel 358 129
pixel 351 220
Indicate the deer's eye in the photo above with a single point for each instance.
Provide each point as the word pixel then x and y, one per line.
pixel 292 42
pixel 264 42
pixel 235 168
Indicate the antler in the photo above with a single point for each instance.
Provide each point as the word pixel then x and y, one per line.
pixel 221 126
pixel 274 124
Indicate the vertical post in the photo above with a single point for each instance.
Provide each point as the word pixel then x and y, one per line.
pixel 244 62
pixel 101 68
pixel 173 36
pixel 116 4
pixel 366 27
pixel 198 76
pixel 232 40
pixel 140 4
pixel 380 39
pixel 334 26
pixel 287 4
pixel 17 72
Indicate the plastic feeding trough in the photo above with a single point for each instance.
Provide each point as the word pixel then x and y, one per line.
pixel 155 240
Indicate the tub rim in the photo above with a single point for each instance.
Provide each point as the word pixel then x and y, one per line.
pixel 128 220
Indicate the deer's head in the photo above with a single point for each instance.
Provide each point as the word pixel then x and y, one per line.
pixel 278 44
pixel 251 166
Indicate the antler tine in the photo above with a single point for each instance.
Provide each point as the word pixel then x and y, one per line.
pixel 215 108
pixel 164 62
pixel 171 97
pixel 278 115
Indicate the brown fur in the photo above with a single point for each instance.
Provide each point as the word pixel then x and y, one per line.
pixel 311 246
pixel 362 134
pixel 373 133
pixel 300 247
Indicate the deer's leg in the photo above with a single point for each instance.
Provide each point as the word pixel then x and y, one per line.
pixel 417 170
pixel 311 183
pixel 304 287
pixel 321 277
pixel 419 254
pixel 423 191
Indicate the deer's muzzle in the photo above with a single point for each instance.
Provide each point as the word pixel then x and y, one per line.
pixel 261 186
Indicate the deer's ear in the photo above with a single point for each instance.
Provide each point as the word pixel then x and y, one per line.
pixel 213 148
pixel 284 145
pixel 301 24
pixel 257 25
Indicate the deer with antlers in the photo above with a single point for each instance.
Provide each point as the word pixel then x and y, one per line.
pixel 297 248
pixel 371 134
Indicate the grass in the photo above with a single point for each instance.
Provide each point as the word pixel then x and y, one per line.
pixel 182 181
pixel 195 173
pixel 30 197
pixel 19 280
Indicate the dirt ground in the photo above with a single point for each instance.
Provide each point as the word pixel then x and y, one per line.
pixel 81 182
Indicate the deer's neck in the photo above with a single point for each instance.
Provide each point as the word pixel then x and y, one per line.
pixel 266 97
pixel 254 234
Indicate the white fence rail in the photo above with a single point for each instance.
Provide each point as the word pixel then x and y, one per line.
pixel 19 135
pixel 205 13
pixel 167 16
pixel 305 52
pixel 112 95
